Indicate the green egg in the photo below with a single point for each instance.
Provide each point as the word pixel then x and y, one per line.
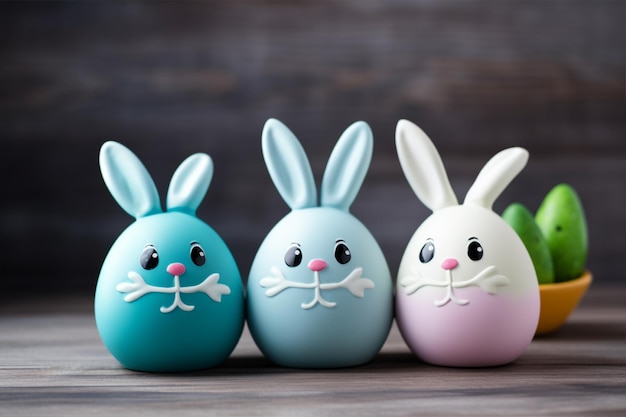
pixel 523 222
pixel 562 221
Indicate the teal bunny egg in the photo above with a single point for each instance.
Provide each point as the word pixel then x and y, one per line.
pixel 169 296
pixel 319 292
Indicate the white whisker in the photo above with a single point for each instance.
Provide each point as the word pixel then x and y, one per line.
pixel 138 288
pixel 353 282
pixel 488 280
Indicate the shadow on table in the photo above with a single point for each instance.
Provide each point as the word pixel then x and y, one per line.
pixel 587 331
pixel 383 364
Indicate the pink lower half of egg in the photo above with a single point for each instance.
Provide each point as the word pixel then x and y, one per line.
pixel 489 330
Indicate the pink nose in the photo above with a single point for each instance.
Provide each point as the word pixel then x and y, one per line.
pixel 449 263
pixel 317 265
pixel 176 269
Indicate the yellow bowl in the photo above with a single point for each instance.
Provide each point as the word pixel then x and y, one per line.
pixel 558 300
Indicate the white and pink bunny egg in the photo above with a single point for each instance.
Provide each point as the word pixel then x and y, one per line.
pixel 467 293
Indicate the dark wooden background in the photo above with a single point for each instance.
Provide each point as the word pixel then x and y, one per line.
pixel 172 78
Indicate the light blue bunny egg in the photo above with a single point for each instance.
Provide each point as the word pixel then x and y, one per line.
pixel 190 321
pixel 319 291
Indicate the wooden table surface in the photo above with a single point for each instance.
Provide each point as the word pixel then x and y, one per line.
pixel 52 363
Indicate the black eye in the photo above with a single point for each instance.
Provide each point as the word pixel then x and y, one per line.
pixel 293 256
pixel 342 253
pixel 149 258
pixel 428 252
pixel 198 256
pixel 474 250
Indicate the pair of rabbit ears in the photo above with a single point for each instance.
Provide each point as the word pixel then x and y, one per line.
pixel 426 174
pixel 290 170
pixel 134 190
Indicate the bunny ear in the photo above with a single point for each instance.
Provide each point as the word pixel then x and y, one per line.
pixel 347 166
pixel 190 183
pixel 288 165
pixel 423 167
pixel 128 180
pixel 495 176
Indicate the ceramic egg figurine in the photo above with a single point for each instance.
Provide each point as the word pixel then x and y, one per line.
pixel 319 292
pixel 169 297
pixel 467 294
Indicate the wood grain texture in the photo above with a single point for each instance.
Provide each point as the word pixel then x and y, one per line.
pixel 172 78
pixel 52 363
